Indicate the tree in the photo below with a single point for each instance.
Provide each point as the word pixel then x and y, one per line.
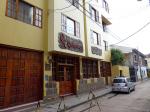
pixel 117 57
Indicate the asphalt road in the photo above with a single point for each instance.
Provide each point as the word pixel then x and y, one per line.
pixel 136 101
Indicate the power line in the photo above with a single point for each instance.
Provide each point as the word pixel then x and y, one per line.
pixel 85 13
pixel 113 35
pixel 63 8
pixel 101 26
pixel 67 6
pixel 132 34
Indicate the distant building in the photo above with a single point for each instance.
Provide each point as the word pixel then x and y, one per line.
pixel 136 62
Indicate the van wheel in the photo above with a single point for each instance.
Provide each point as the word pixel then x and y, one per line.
pixel 129 91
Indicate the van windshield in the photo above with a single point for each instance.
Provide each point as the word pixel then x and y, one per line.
pixel 119 81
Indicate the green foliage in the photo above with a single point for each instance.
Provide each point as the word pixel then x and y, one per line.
pixel 117 57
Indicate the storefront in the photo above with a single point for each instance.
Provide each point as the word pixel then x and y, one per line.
pixel 66 69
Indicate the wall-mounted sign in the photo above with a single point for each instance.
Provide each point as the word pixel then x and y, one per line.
pixel 66 42
pixel 96 51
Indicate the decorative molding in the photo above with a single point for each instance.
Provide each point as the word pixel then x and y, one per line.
pixel 66 42
pixel 96 51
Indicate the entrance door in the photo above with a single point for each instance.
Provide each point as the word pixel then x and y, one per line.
pixel 67 82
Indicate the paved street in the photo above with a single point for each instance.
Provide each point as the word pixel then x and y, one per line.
pixel 137 101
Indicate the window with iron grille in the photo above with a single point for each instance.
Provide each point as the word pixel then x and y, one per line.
pixel 58 71
pixel 24 12
pixel 90 68
pixel 70 26
pixel 105 68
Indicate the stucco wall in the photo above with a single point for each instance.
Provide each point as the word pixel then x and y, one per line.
pixel 18 33
pixel 116 71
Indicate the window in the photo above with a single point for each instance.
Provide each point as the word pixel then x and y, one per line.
pixel 74 3
pixel 105 5
pixel 105 68
pixel 90 68
pixel 95 38
pixel 94 14
pixel 106 45
pixel 70 26
pixel 38 17
pixel 25 12
pixel 135 58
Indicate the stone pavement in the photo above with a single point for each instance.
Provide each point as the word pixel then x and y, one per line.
pixel 70 101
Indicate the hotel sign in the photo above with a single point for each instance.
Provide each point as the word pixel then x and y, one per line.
pixel 66 42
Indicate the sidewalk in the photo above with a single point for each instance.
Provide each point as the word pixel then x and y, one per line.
pixel 74 101
pixel 70 101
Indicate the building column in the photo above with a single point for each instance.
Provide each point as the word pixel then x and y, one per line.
pixel 99 68
pixel 81 68
pixel 50 86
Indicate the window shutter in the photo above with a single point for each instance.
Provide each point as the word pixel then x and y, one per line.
pixel 90 9
pixel 97 16
pixel 63 23
pixel 77 29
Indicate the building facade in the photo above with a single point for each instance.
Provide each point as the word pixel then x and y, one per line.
pixel 52 48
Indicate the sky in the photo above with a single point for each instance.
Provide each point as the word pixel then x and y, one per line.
pixel 127 17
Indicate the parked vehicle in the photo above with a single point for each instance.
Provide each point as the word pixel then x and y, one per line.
pixel 123 84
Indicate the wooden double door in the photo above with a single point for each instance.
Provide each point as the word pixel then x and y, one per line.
pixel 67 83
pixel 21 76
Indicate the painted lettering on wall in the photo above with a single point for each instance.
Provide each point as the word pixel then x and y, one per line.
pixel 66 42
pixel 96 51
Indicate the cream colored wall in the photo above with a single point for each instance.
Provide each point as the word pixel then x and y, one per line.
pixel 55 23
pixel 116 70
pixel 20 34
pixel 91 25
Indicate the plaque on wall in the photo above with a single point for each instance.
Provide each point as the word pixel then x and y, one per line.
pixel 66 42
pixel 96 51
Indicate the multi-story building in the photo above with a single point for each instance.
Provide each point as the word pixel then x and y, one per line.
pixel 52 48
